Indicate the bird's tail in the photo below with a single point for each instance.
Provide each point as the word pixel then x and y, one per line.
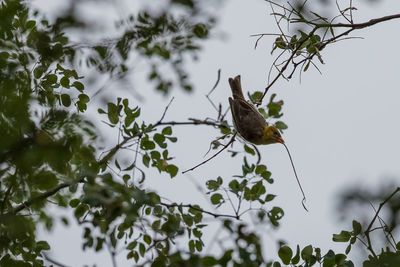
pixel 236 87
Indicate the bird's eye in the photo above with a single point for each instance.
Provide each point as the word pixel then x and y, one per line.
pixel 276 134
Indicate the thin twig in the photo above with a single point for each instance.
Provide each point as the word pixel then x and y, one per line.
pixel 165 111
pixel 112 254
pixel 212 89
pixel 297 178
pixel 53 261
pixel 216 83
pixel 361 25
pixel 230 201
pixel 258 153
pixel 284 67
pixel 216 154
pixel 317 26
pixel 215 215
pixel 190 122
pixel 43 196
pixel 368 230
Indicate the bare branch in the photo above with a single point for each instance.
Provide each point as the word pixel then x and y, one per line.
pixel 165 111
pixel 190 122
pixel 216 154
pixel 368 230
pixel 53 261
pixel 362 25
pixel 43 196
pixel 212 90
pixel 215 215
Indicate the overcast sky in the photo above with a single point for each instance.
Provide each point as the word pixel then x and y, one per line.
pixel 343 124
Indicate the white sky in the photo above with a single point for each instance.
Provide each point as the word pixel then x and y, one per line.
pixel 343 125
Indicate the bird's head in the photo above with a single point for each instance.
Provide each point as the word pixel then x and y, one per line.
pixel 271 136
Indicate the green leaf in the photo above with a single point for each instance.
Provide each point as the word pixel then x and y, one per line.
pixel 131 245
pixel 356 227
pixel 160 139
pixel 216 199
pixel 84 98
pixel 113 114
pixel 188 219
pixel 256 96
pixel 213 185
pixel 197 233
pixel 155 155
pixel 344 236
pixel 142 249
pixel 199 245
pixel 192 246
pixel 296 258
pixel 129 119
pixel 285 253
pixel 260 169
pixel 275 214
pixel 249 150
pixel 348 248
pixel 281 125
pixel 81 106
pixel 348 264
pixel 200 30
pixel 147 144
pixel 234 186
pixel 30 24
pixel 51 78
pixel 172 170
pixel 79 86
pixel 136 113
pixel 66 100
pixel 340 259
pixel 37 72
pixel 172 139
pixel 80 210
pixel 126 178
pixel 209 261
pixel 167 130
pixel 43 245
pixel 74 202
pixel 146 160
pixel 329 259
pixel 269 197
pixel 307 65
pixel 306 253
pixel 65 82
pixel 147 239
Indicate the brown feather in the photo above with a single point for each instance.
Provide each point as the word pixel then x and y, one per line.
pixel 236 87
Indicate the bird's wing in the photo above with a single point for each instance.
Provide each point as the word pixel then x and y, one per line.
pixel 248 121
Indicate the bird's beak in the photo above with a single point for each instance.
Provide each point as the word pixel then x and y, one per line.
pixel 280 140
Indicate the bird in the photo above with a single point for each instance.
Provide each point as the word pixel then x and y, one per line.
pixel 248 121
pixel 252 126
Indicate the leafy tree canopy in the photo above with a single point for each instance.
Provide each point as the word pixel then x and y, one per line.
pixel 50 154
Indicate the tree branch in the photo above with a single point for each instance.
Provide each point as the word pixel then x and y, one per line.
pixel 368 230
pixel 216 154
pixel 53 261
pixel 215 215
pixel 352 26
pixel 362 25
pixel 43 196
pixel 190 122
pixel 259 101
